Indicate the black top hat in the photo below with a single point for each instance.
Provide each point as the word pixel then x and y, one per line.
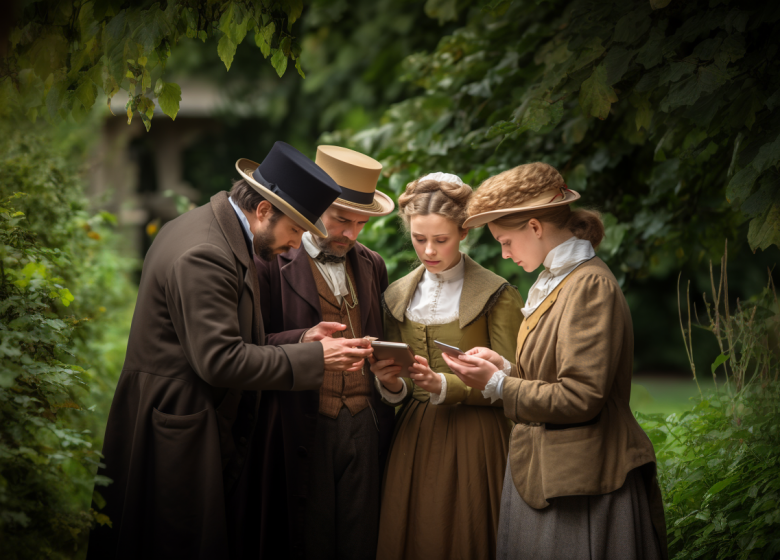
pixel 294 184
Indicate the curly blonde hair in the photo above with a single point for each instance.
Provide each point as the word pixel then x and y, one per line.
pixel 429 196
pixel 515 186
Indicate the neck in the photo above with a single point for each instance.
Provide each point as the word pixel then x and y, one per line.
pixel 252 219
pixel 454 263
pixel 556 237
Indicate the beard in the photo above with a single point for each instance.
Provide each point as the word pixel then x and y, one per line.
pixel 264 244
pixel 327 245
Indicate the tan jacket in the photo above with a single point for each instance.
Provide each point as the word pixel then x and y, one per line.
pixel 575 367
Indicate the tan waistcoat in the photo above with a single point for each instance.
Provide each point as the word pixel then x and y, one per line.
pixel 345 388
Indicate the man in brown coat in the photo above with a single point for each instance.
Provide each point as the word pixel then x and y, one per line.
pixel 178 440
pixel 328 452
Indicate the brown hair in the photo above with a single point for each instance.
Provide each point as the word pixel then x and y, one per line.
pixel 435 197
pixel 248 199
pixel 513 187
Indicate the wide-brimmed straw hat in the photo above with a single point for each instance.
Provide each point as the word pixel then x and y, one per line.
pixel 294 184
pixel 554 197
pixel 357 175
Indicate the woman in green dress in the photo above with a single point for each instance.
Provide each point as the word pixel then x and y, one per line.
pixel 444 475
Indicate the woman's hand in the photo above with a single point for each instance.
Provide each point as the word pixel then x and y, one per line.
pixel 487 354
pixel 472 370
pixel 387 373
pixel 424 376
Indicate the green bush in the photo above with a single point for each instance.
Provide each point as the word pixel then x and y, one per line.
pixel 719 463
pixel 61 291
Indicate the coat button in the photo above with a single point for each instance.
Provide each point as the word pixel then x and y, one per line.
pixel 242 441
pixel 343 398
pixel 302 453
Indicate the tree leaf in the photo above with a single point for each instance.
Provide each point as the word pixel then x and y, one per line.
pixel 226 49
pixel 658 4
pixel 632 26
pixel 596 96
pixel 294 9
pixel 279 62
pixel 298 68
pixel 741 184
pixel 169 98
pixel 86 93
pixel 616 62
pixel 720 360
pixel 764 231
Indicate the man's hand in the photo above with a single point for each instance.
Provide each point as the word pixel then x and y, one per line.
pixel 322 330
pixel 345 354
pixel 487 354
pixel 387 373
pixel 424 376
pixel 473 371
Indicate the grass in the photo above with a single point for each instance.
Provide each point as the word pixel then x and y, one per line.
pixel 666 394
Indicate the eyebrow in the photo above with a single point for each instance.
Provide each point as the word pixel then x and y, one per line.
pixel 434 235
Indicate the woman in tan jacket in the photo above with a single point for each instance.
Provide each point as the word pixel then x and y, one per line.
pixel 580 479
pixel 442 489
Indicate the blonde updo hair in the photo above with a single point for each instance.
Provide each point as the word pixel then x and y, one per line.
pixel 430 196
pixel 513 187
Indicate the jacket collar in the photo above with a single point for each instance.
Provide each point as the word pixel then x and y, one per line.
pixel 479 285
pixel 295 269
pixel 226 217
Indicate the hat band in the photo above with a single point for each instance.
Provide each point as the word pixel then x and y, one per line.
pixel 274 188
pixel 356 196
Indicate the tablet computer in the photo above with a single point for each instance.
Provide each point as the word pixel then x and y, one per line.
pixel 399 352
pixel 447 349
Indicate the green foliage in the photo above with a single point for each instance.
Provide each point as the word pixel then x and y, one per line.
pixel 59 286
pixel 719 463
pixel 664 115
pixel 63 54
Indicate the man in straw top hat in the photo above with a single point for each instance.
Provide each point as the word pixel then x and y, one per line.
pixel 332 441
pixel 178 444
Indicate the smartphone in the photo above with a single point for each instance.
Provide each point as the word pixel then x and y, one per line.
pixel 447 349
pixel 399 352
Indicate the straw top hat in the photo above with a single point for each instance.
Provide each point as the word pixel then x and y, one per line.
pixel 294 184
pixel 357 175
pixel 550 199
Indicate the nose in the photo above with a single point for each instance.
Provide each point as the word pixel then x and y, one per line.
pixel 430 250
pixel 295 241
pixel 506 254
pixel 351 232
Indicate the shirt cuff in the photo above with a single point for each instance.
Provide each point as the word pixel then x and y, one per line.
pixel 438 399
pixel 300 340
pixel 392 398
pixel 494 388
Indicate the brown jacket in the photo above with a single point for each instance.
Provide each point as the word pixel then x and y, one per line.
pixel 575 368
pixel 183 416
pixel 291 305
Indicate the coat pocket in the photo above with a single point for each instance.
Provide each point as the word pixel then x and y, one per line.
pixel 575 456
pixel 186 494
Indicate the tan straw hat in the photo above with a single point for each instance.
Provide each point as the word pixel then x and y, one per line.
pixel 357 175
pixel 549 199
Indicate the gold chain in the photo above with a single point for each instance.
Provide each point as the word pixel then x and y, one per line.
pixel 355 303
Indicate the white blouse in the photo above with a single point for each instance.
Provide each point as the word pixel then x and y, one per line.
pixel 436 301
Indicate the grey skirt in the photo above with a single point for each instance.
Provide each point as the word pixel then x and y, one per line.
pixel 610 526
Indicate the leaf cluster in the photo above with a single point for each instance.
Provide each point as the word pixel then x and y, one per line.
pixel 63 55
pixel 664 115
pixel 58 275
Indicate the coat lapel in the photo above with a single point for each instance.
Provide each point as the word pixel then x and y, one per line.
pixel 479 285
pixel 296 271
pixel 399 293
pixel 231 228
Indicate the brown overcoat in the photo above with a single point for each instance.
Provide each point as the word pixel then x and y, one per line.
pixel 291 305
pixel 575 367
pixel 183 415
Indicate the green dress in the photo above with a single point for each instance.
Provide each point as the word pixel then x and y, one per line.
pixel 444 474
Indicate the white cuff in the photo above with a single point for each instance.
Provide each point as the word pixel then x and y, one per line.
pixel 494 387
pixel 393 398
pixel 507 369
pixel 438 399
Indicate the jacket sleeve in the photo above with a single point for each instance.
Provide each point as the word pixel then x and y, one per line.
pixel 588 347
pixel 393 334
pixel 202 298
pixel 503 321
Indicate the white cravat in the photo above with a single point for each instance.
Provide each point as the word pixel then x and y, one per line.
pixel 558 264
pixel 335 274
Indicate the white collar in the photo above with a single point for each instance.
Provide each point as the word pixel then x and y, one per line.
pixel 450 275
pixel 309 245
pixel 570 253
pixel 242 219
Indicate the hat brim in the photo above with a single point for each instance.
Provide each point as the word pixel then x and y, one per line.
pixel 246 167
pixel 486 217
pixel 382 205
